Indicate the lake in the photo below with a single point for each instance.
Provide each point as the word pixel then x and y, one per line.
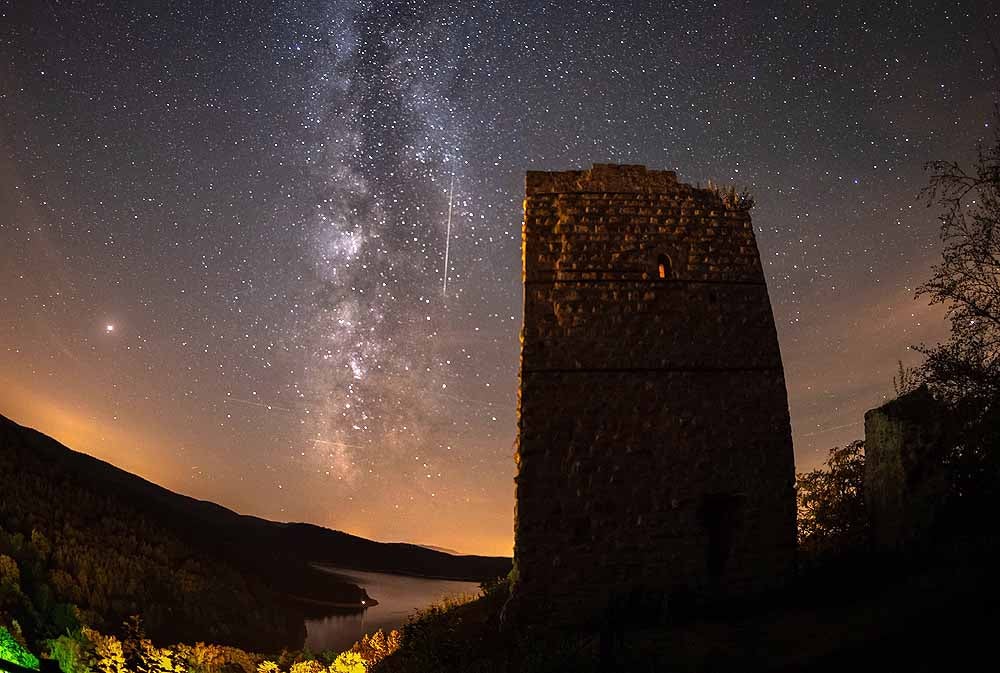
pixel 398 597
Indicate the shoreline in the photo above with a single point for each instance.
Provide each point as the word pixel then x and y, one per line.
pixel 339 605
pixel 331 570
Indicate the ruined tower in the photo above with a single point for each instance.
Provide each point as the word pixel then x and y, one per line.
pixel 654 449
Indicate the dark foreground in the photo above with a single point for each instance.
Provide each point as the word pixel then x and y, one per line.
pixel 880 614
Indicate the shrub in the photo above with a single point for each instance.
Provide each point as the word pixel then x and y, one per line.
pixel 14 652
pixel 831 506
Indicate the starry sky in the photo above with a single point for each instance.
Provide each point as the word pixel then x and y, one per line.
pixel 223 225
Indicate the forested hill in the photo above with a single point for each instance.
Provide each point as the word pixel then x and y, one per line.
pixel 115 544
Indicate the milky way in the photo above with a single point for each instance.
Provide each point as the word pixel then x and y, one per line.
pixel 394 381
pixel 223 225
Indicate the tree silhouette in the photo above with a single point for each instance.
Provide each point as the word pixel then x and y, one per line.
pixel 967 280
pixel 831 504
pixel 964 371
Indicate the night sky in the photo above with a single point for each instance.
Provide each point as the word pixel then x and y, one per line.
pixel 223 224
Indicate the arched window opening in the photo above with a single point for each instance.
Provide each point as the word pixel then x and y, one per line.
pixel 663 267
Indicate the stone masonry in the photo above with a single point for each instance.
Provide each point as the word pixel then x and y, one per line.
pixel 905 485
pixel 654 449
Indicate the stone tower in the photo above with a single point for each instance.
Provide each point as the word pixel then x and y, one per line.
pixel 654 449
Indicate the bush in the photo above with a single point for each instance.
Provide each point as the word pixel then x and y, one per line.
pixel 832 518
pixel 14 652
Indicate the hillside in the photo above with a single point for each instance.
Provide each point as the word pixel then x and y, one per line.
pixel 115 544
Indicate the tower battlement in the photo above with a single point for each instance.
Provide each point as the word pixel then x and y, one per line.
pixel 618 178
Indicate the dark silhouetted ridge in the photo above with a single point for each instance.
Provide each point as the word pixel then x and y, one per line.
pixel 195 570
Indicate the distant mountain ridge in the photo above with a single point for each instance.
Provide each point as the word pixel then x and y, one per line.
pixel 39 476
pixel 312 542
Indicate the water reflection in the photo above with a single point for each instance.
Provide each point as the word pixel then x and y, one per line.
pixel 398 597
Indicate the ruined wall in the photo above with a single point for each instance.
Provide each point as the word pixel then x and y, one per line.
pixel 905 483
pixel 654 450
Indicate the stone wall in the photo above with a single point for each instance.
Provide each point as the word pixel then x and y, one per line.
pixel 905 482
pixel 654 449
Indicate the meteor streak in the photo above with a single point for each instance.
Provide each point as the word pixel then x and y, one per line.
pixel 447 240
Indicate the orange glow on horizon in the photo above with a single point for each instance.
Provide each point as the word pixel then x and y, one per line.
pixel 130 448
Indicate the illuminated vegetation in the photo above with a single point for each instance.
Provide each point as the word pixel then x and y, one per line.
pixel 89 651
pixel 41 580
pixel 13 651
pixel 739 199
